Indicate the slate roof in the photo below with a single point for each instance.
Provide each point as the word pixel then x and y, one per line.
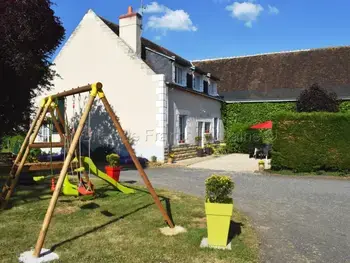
pixel 149 44
pixel 281 76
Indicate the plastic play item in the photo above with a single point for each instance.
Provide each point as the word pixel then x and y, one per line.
pixel 69 188
pixel 89 164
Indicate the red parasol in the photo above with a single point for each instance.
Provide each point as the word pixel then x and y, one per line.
pixel 263 125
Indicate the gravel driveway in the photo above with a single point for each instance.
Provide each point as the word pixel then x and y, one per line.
pixel 298 219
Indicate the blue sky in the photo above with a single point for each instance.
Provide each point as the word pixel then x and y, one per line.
pixel 200 29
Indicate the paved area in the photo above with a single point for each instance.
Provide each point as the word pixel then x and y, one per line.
pixel 298 219
pixel 233 162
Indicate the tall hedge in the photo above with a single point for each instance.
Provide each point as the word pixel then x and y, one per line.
pixel 238 117
pixel 306 142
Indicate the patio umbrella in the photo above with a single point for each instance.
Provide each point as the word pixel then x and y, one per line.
pixel 263 125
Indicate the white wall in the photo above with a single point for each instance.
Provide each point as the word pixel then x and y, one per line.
pixel 196 108
pixel 94 53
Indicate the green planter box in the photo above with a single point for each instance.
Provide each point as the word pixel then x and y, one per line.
pixel 218 223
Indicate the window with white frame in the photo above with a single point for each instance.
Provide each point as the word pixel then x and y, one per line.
pixel 182 128
pixel 213 88
pixel 197 83
pixel 179 75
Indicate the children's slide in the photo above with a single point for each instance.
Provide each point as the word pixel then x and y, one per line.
pixel 89 164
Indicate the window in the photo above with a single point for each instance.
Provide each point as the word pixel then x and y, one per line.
pixel 197 83
pixel 182 126
pixel 212 88
pixel 207 127
pixel 179 76
pixel 216 129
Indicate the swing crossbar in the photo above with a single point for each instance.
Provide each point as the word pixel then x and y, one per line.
pixel 75 91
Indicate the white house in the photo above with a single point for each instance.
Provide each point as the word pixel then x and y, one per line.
pixel 161 98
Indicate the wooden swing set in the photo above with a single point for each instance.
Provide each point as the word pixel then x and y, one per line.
pixel 29 143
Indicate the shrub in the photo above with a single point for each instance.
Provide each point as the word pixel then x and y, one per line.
pixel 208 137
pixel 153 159
pixel 316 98
pixel 239 138
pixel 308 142
pixel 113 159
pixel 219 189
pixel 98 155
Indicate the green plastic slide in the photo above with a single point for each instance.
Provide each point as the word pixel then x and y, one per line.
pixel 89 164
pixel 69 188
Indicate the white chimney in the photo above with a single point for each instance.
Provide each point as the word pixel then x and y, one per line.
pixel 130 30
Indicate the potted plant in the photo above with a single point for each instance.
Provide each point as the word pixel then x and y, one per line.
pixel 261 165
pixel 218 208
pixel 208 149
pixel 153 159
pixel 198 139
pixel 200 152
pixel 171 157
pixel 113 168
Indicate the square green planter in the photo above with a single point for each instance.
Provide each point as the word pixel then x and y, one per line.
pixel 218 223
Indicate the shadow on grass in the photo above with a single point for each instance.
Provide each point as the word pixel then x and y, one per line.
pixel 99 227
pixel 235 230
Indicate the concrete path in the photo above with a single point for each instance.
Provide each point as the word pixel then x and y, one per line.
pixel 233 162
pixel 298 219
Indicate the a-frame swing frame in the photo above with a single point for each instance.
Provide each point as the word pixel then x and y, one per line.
pixel 95 90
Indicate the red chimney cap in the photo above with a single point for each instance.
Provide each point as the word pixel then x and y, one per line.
pixel 130 13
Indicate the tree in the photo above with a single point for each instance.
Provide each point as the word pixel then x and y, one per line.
pixel 29 34
pixel 317 99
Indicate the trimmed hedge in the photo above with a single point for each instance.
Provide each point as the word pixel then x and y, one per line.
pixel 307 142
pixel 238 117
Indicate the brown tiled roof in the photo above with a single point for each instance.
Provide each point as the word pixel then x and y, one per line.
pixel 147 43
pixel 281 75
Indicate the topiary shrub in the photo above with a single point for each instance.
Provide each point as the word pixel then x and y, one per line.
pixel 153 159
pixel 219 189
pixel 316 98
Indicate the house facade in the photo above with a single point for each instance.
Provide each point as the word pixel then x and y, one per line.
pixel 162 99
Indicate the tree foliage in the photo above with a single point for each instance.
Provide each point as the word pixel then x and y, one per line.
pixel 316 98
pixel 29 34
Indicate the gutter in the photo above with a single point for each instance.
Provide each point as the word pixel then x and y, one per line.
pixel 255 101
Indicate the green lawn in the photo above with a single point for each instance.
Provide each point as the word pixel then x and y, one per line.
pixel 117 228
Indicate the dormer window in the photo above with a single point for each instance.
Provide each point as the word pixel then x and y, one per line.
pixel 213 88
pixel 197 83
pixel 179 75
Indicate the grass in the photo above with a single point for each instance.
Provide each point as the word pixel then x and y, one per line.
pixel 317 173
pixel 117 228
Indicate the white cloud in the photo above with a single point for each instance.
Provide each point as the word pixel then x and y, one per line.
pixel 154 7
pixel 273 10
pixel 175 20
pixel 245 11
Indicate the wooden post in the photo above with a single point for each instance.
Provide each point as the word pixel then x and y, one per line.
pixel 51 208
pixel 57 125
pixel 15 177
pixel 135 159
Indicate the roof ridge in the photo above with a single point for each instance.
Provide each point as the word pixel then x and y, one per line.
pixel 269 53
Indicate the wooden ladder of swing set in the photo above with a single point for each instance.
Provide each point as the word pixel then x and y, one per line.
pixel 47 105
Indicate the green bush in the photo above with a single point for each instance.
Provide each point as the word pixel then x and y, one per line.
pixel 153 159
pixel 219 189
pixel 113 159
pixel 12 143
pixel 308 142
pixel 239 138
